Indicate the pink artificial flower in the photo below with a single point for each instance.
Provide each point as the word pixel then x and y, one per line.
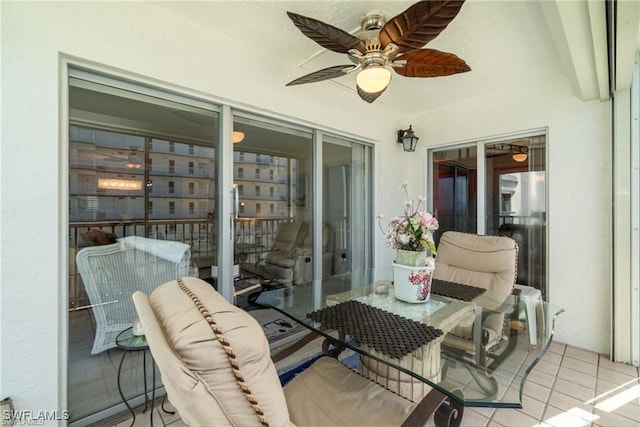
pixel 427 220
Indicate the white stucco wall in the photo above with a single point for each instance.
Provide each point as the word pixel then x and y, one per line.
pixel 579 196
pixel 145 40
pixel 137 38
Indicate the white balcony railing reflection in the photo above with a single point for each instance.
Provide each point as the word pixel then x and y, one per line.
pixel 200 234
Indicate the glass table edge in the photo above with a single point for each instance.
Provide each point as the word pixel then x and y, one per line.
pixel 552 310
pixel 358 350
pixel 555 311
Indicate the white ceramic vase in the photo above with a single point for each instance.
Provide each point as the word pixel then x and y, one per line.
pixel 412 283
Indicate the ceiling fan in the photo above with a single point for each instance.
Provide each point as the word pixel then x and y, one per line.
pixel 383 44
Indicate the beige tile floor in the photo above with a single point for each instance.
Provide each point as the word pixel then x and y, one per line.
pixel 569 387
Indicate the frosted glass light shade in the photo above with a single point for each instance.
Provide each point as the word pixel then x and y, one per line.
pixel 373 79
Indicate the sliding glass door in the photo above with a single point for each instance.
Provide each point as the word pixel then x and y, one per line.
pixel 496 187
pixel 139 165
pixel 272 178
pixel 515 202
pixel 455 182
pixel 346 206
pixel 151 163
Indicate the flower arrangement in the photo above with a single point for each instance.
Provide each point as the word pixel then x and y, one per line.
pixel 412 231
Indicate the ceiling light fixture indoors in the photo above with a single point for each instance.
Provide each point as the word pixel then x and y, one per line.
pixel 519 153
pixel 237 136
pixel 520 157
pixel 381 46
pixel 408 139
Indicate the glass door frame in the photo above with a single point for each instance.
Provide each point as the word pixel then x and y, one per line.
pixel 73 67
pixel 480 145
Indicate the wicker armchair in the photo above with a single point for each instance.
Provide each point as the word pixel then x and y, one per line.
pixel 112 273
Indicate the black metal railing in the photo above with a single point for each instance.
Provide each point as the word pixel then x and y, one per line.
pixel 200 234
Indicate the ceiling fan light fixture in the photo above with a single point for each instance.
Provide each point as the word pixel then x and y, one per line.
pixel 373 79
pixel 237 136
pixel 132 160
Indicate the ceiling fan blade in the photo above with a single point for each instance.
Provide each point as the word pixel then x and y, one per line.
pixel 324 74
pixel 326 35
pixel 369 97
pixel 419 24
pixel 431 63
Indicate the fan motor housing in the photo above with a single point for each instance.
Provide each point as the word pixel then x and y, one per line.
pixel 373 21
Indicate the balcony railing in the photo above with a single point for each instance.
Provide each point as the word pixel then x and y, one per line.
pixel 200 234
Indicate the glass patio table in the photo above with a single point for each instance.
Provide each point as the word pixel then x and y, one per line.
pixel 401 345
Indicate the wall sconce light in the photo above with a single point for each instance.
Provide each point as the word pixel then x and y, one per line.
pixel 408 139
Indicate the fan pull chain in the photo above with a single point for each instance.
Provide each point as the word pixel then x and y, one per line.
pixel 231 356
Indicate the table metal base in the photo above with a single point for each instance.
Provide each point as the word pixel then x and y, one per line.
pixel 446 411
pixel 148 401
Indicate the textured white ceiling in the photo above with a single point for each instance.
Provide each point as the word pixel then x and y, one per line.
pixel 506 43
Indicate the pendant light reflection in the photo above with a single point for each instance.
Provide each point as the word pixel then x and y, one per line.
pixel 237 136
pixel 520 157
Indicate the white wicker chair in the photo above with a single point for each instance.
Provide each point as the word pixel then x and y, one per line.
pixel 112 273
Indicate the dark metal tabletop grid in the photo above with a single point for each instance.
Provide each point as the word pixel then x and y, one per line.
pixel 388 333
pixel 455 290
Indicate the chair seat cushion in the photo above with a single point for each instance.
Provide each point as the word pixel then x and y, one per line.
pixel 330 394
pixel 281 259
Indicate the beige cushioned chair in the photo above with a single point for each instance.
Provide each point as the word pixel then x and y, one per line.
pixel 289 260
pixel 488 262
pixel 280 263
pixel 201 384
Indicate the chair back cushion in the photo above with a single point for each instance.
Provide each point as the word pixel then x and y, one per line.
pixel 195 369
pixel 286 236
pixel 484 261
